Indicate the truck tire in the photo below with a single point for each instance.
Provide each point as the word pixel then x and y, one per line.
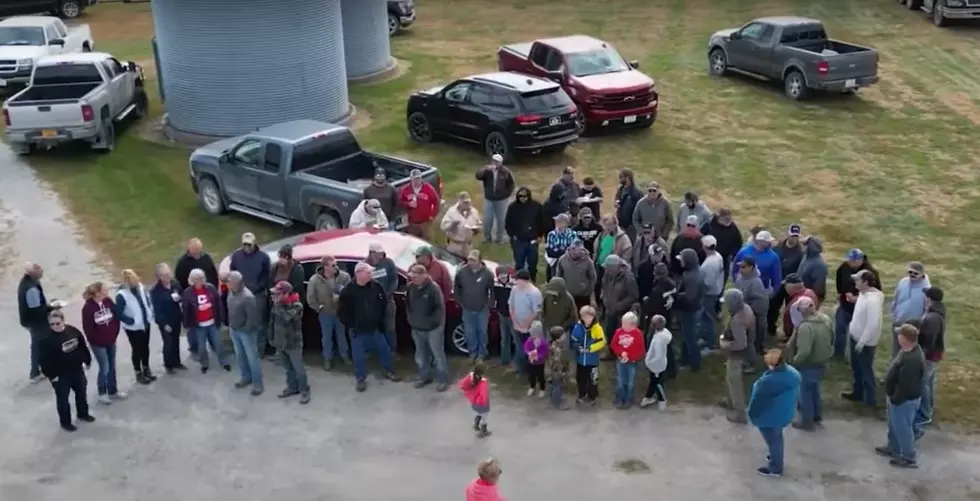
pixel 394 25
pixel 717 63
pixel 937 14
pixel 107 136
pixel 210 197
pixel 496 143
pixel 912 4
pixel 419 127
pixel 457 341
pixel 794 86
pixel 70 9
pixel 142 102
pixel 327 220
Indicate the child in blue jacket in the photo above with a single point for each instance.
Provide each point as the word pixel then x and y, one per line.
pixel 587 342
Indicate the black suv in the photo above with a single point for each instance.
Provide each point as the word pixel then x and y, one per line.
pixel 68 9
pixel 503 112
pixel 401 15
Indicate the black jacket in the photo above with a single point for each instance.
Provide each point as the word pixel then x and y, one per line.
pixel 729 238
pixel 683 241
pixel 644 276
pixel 32 317
pixel 525 220
pixel 903 381
pixel 588 234
pixel 502 189
pixel 595 207
pixel 655 302
pixel 790 257
pixel 362 308
pixel 932 332
pixel 295 278
pixel 846 284
pixel 64 353
pixel 501 299
pixel 166 311
pixel 186 263
pixel 627 198
pixel 560 198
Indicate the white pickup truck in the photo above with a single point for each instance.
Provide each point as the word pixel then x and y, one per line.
pixel 25 39
pixel 75 97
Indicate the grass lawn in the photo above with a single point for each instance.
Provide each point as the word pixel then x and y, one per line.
pixel 893 170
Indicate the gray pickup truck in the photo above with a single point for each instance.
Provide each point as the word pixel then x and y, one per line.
pixel 795 51
pixel 307 171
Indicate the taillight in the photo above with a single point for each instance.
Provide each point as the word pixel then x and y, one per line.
pixel 87 114
pixel 823 68
pixel 439 184
pixel 528 119
pixel 6 117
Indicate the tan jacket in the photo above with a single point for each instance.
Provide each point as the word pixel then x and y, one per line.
pixel 463 232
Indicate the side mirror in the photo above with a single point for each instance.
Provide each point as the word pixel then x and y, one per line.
pixel 556 76
pixel 735 36
pixel 131 67
pixel 57 41
pixel 634 64
pixel 225 157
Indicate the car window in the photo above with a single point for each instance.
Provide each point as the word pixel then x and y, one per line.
pixel 309 268
pixel 805 33
pixel 110 71
pixel 501 99
pixel 51 33
pixel 348 266
pixel 457 93
pixel 548 100
pixel 248 152
pixel 766 35
pixel 594 62
pixel 117 67
pixel 60 28
pixel 753 31
pixel 480 96
pixel 539 55
pixel 21 35
pixel 555 61
pixel 56 74
pixel 273 156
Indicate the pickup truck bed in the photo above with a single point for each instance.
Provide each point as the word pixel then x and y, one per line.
pixel 356 170
pixel 52 94
pixel 521 49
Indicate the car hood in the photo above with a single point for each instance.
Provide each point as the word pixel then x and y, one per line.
pixel 211 152
pixel 724 33
pixel 619 81
pixel 20 51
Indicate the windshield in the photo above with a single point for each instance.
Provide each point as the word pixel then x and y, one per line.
pixel 407 258
pixel 21 35
pixel 546 101
pixel 594 62
pixel 323 149
pixel 57 74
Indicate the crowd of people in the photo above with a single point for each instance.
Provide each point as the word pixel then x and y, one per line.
pixel 618 287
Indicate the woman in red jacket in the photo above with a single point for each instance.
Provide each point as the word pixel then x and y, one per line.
pixel 101 327
pixel 421 203
pixel 627 344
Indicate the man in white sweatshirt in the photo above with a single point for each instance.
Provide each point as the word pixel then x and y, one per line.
pixel 713 275
pixel 865 331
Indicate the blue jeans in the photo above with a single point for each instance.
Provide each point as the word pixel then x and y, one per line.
pixel 332 329
pixel 689 331
pixel 708 319
pixel 105 356
pixel 525 257
pixel 494 210
pixel 863 372
pixel 842 319
pixel 292 361
pixel 475 330
pixel 35 352
pixel 210 334
pixel 625 381
pixel 923 415
pixel 520 358
pixel 192 340
pixel 247 356
pixel 507 340
pixel 811 407
pixel 774 441
pixel 374 341
pixel 430 346
pixel 901 438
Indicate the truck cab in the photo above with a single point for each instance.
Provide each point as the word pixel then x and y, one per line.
pixel 25 39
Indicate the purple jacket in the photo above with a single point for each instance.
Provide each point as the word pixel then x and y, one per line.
pixel 541 349
pixel 189 303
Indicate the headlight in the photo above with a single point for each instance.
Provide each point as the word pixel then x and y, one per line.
pixel 954 3
pixel 25 62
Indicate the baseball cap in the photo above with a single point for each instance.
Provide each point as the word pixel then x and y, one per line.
pixel 248 238
pixel 286 251
pixel 692 220
pixel 497 157
pixel 793 278
pixel 934 293
pixel 917 267
pixel 523 274
pixel 612 260
pixel 362 266
pixel 415 174
pixel 795 230
pixel 709 241
pixel 379 173
pixel 655 249
pixel 375 247
pixel 282 287
pixel 653 185
pixel 425 250
pixel 855 254
pixel 764 236
pixel 863 275
pixel 647 227
pixel 563 217
pixel 577 244
pixel 373 203
pixel 585 212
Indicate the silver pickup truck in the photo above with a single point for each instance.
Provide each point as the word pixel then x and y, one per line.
pixel 794 51
pixel 74 97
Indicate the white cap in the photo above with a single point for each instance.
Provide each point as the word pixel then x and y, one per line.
pixel 497 157
pixel 375 247
pixel 362 266
pixel 248 238
pixel 764 236
pixel 709 241
pixel 692 220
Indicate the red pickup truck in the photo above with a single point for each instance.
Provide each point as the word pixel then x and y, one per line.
pixel 608 90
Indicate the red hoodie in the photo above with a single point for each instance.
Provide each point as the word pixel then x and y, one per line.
pixel 99 322
pixel 426 203
pixel 629 342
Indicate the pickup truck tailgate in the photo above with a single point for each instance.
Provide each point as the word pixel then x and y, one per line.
pixel 853 65
pixel 45 114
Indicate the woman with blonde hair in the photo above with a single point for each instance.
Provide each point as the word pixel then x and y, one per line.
pixel 101 328
pixel 772 406
pixel 135 311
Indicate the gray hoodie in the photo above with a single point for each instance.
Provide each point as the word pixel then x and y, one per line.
pixel 619 290
pixel 425 306
pixel 654 211
pixel 242 314
pixel 813 268
pixel 473 289
pixel 690 287
pixel 579 274
pixel 753 292
pixel 700 210
pixel 735 340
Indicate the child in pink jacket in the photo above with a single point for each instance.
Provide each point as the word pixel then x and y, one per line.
pixel 484 486
pixel 476 389
pixel 536 348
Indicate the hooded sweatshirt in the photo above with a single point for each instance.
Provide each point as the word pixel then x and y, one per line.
pixel 559 306
pixel 323 292
pixel 659 298
pixel 579 274
pixel 99 322
pixel 360 218
pixel 287 323
pixel 700 210
pixel 655 211
pixel 628 343
pixel 524 221
pixel 813 269
pixel 766 261
pixel 63 353
pixel 690 238
pixel 386 195
pixel 729 237
pixel 865 326
pixel 656 359
pixel 812 345
pixel 713 270
pixel 619 290
pixel 587 342
pixel 845 283
pixel 932 331
pixel 909 302
pixel 536 346
pixel 690 287
pixel 753 292
pixel 473 288
pixel 740 328
pixel 476 392
pixel 646 273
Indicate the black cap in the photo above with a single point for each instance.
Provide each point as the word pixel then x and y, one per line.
pixel 286 251
pixel 647 227
pixel 934 294
pixel 523 274
pixel 793 278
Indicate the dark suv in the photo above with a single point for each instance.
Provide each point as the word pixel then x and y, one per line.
pixel 401 15
pixel 68 9
pixel 505 113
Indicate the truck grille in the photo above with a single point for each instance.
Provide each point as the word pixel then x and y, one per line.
pixel 8 66
pixel 973 3
pixel 625 100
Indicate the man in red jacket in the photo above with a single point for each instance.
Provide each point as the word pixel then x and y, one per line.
pixel 792 316
pixel 421 202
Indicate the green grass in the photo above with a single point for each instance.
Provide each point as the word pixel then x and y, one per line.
pixel 893 170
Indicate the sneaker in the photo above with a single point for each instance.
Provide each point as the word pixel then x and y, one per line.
pixel 69 427
pixel 918 434
pixel 105 400
pixel 204 370
pixel 530 392
pixel 800 425
pixel 662 405
pixel 422 383
pixel 647 402
pixel 119 395
pixel 885 452
pixel 903 463
pixel 361 385
pixel 627 405
pixel 286 393
pixel 304 397
pixel 540 393
pixel 442 386
pixel 241 384
pixel 86 418
pixel 766 472
pixel 735 418
pixel 391 376
pixel 484 432
pixel 256 391
pixel 149 375
pixel 849 395
pixel 328 365
pixel 476 423
pixel 227 367
pixel 181 367
pixel 37 379
pixel 707 352
pixel 141 378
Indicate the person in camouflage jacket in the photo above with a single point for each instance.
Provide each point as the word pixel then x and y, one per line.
pixel 286 335
pixel 557 366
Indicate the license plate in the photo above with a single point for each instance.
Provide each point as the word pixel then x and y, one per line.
pixel 554 121
pixel 49 133
pixel 850 82
pixel 630 119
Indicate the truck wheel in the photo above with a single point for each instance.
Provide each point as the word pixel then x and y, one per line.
pixel 496 144
pixel 327 220
pixel 142 105
pixel 107 136
pixel 70 9
pixel 912 4
pixel 717 63
pixel 394 25
pixel 419 127
pixel 210 197
pixel 937 14
pixel 795 86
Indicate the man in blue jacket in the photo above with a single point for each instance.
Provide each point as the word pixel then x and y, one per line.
pixel 772 406
pixel 766 261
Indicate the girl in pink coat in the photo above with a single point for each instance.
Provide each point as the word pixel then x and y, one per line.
pixel 476 389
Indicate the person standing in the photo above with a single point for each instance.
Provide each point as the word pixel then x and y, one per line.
pixel 501 305
pixel 578 272
pixel 713 274
pixel 654 209
pixel 794 291
pixel 865 332
pixel 847 293
pixel 628 347
pixel 64 357
pixel 204 314
pixel 287 269
pixel 557 366
pixel 386 275
pixel 627 195
pixel 368 214
pixel 135 311
pixel 689 238
pixel 811 347
pixel 658 297
pixel 101 328
pixel 525 224
pixel 557 242
pixel 772 405
pixel 256 269
pixel 587 341
pixel 536 351
pixel 692 206
pixel 646 275
pixel 322 294
pixel 358 309
pixel 33 308
pixel 612 241
pixel 790 253
pixel 476 388
pixel 687 304
pixel 561 196
pixel 421 202
pixel 813 269
pixel 587 229
pixel 498 186
pixel 726 233
pixel 932 338
pixel 386 195
pixel 165 299
pixel 657 360
pixel 460 223
pixel 735 343
pixel 195 259
pixel 619 293
pixel 287 337
pixel 903 390
pixel 425 310
pixel 559 309
pixel 484 486
pixel 588 189
pixel 436 270
pixel 525 305
pixel 473 289
pixel 909 300
pixel 766 262
pixel 755 295
pixel 243 320
pixel 640 254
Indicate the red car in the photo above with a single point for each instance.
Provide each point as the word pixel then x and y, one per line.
pixel 350 247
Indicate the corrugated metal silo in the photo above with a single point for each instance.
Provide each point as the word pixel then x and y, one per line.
pixel 367 48
pixel 232 66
